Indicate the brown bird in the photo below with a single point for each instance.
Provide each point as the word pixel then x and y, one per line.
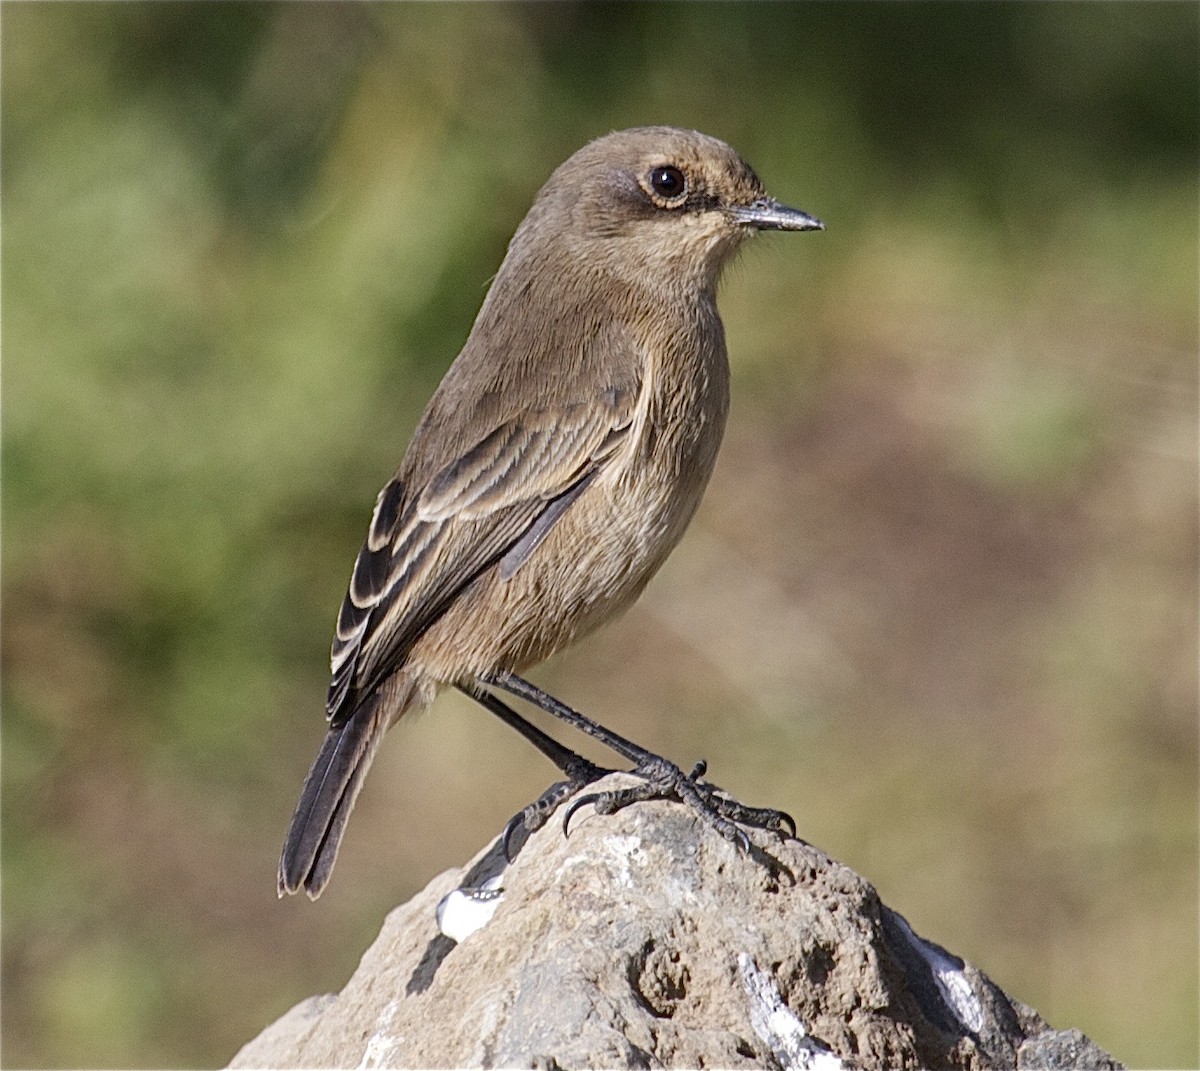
pixel 554 469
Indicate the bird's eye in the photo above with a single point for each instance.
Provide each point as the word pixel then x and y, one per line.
pixel 668 182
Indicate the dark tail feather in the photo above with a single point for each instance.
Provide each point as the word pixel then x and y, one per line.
pixel 311 846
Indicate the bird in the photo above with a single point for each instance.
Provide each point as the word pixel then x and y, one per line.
pixel 553 470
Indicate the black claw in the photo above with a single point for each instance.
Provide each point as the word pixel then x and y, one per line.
pixel 698 771
pixel 583 801
pixel 510 827
pixel 529 820
pixel 580 772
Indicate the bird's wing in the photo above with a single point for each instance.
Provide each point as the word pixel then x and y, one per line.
pixel 497 500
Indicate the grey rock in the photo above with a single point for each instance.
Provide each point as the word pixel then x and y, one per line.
pixel 645 940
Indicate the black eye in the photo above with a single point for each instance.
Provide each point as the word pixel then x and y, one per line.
pixel 668 182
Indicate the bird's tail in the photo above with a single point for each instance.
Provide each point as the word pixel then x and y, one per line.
pixel 311 846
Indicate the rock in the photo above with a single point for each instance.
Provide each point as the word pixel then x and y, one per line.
pixel 646 940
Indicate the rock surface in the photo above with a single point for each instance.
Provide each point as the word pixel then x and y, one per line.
pixel 645 940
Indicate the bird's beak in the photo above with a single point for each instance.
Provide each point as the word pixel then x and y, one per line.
pixel 766 214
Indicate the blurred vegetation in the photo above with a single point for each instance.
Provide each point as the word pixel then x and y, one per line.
pixel 940 602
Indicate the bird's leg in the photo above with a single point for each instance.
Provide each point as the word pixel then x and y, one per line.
pixel 664 780
pixel 578 772
pixel 531 693
pixel 661 779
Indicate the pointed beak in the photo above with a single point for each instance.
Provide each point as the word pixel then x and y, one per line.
pixel 766 214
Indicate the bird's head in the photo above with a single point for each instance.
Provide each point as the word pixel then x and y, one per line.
pixel 660 203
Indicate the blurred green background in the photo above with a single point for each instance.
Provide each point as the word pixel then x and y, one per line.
pixel 940 602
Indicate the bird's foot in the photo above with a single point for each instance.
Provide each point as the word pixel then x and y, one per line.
pixel 663 780
pixel 579 774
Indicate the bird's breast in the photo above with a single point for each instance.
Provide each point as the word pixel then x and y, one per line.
pixel 677 432
pixel 602 551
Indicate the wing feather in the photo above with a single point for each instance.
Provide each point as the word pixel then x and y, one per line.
pixel 496 500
